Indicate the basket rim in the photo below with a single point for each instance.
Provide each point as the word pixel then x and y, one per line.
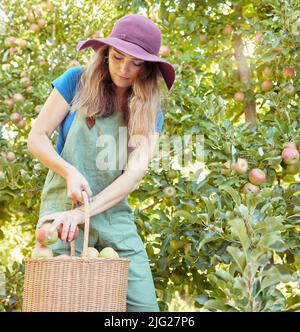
pixel 77 258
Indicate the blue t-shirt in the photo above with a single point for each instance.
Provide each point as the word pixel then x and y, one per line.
pixel 66 84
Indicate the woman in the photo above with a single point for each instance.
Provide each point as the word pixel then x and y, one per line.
pixel 118 89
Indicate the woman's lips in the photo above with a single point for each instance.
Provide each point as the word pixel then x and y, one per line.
pixel 122 77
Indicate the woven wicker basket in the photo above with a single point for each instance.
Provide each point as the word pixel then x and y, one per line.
pixel 80 284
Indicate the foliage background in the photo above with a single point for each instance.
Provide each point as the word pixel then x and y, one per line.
pixel 211 247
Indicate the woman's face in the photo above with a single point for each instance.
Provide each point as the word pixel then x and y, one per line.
pixel 123 68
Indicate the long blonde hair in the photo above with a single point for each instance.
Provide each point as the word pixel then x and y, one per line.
pixel 95 95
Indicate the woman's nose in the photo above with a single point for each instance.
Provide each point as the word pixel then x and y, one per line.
pixel 124 67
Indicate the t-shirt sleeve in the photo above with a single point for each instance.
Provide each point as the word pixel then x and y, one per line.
pixel 66 83
pixel 159 121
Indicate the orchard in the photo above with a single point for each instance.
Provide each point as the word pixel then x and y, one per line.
pixel 222 230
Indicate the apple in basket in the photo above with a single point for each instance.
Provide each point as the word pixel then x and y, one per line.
pixel 60 229
pixel 41 251
pixel 108 252
pixel 45 237
pixel 91 253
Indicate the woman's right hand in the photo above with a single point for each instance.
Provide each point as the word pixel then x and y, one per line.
pixel 76 183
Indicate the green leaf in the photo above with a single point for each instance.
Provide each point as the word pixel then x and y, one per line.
pixel 209 206
pixel 215 305
pixel 238 257
pixel 272 277
pixel 233 193
pixel 238 229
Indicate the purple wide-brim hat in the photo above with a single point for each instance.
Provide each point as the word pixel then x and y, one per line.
pixel 139 37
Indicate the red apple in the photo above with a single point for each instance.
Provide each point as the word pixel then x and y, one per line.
pixel 241 166
pixel 266 85
pixel 18 97
pixel 9 102
pixel 290 155
pixel 10 41
pixel 10 156
pixel 239 97
pixel 25 81
pixel 60 229
pixel 164 50
pixel 257 176
pixel 30 16
pixel 43 235
pixel 41 251
pixel 289 72
pixel 15 117
pixel 228 29
pixel 21 124
pixel 251 187
pixel 41 22
pixel 226 171
pixel 21 42
pixel 34 27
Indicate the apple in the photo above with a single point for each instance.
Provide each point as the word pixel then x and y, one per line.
pixel 293 168
pixel 289 72
pixel 266 85
pixel 258 37
pixel 241 166
pixel 41 22
pixel 10 41
pixel 60 229
pixel 21 124
pixel 43 235
pixel 21 42
pixel 169 191
pixel 34 27
pixel 91 253
pixel 10 156
pixel 228 29
pixel 25 81
pixel 239 97
pixel 250 187
pixel 267 72
pixel 38 108
pixel 202 37
pixel 48 6
pixel 289 90
pixel 30 16
pixel 291 145
pixel 171 174
pixel 9 102
pixel 18 97
pixel 164 50
pixel 108 252
pixel 226 171
pixel 290 155
pixel 257 176
pixel 15 117
pixel 41 251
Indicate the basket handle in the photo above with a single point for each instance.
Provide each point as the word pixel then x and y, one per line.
pixel 86 226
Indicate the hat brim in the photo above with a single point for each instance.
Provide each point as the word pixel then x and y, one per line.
pixel 166 69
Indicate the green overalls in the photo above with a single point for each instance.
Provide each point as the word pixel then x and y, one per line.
pixel 114 227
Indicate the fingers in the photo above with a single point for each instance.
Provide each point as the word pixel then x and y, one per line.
pixel 87 189
pixel 71 232
pixel 45 218
pixel 65 231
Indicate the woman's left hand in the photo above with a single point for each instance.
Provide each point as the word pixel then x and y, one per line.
pixel 70 219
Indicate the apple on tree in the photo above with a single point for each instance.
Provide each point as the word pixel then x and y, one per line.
pixel 257 176
pixel 249 187
pixel 241 165
pixel 290 155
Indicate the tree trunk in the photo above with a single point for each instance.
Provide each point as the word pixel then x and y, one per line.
pixel 245 75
